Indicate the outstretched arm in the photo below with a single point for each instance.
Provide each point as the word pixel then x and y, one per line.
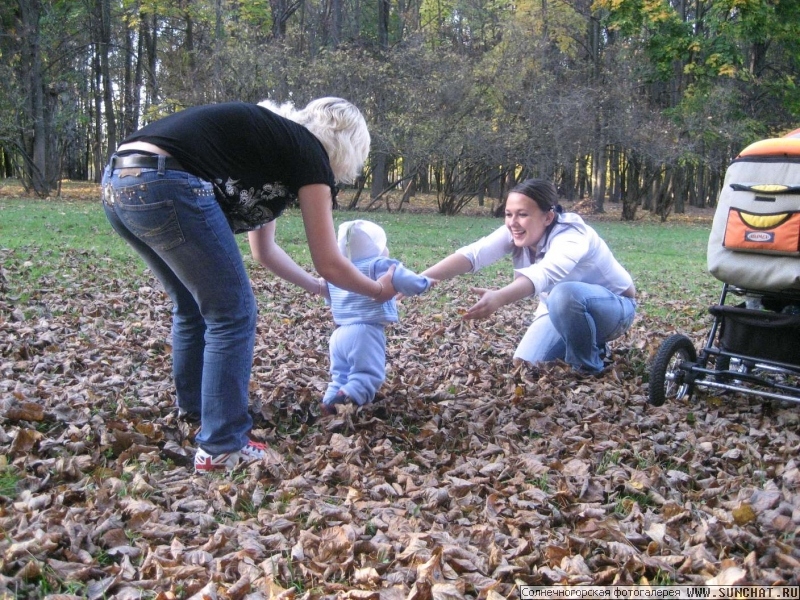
pixel 268 253
pixel 447 268
pixel 405 281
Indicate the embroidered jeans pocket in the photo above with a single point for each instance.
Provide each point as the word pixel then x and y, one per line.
pixel 152 219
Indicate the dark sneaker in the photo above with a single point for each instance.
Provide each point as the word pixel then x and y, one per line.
pixel 582 373
pixel 228 461
pixel 329 409
pixel 188 417
pixel 605 354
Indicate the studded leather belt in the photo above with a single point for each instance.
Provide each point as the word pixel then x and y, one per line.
pixel 141 161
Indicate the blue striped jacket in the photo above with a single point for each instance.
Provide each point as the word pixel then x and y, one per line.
pixel 349 308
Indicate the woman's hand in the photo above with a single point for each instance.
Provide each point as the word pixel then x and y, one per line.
pixel 323 288
pixel 387 289
pixel 490 301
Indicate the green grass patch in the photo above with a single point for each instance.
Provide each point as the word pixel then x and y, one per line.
pixel 665 260
pixel 56 224
pixel 9 481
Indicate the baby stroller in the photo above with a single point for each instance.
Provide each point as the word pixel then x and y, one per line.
pixel 753 346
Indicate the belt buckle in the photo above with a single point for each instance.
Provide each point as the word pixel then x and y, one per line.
pixel 129 172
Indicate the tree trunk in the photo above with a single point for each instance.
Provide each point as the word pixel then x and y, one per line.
pixel 380 174
pixel 631 194
pixel 663 193
pixel 150 31
pixel 583 185
pixel 697 185
pixel 568 182
pixel 680 187
pixel 97 144
pixel 219 34
pixel 103 22
pixel 34 137
pixel 7 164
pixel 409 177
pixel 128 120
pixel 409 192
pixel 199 93
pixel 383 24
pixel 282 10
pixel 614 192
pixel 335 31
pixel 599 179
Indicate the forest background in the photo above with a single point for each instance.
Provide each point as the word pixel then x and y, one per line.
pixel 629 101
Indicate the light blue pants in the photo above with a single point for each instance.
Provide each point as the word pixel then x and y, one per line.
pixel 175 224
pixel 581 318
pixel 358 362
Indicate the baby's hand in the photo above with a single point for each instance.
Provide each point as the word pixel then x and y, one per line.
pixel 431 283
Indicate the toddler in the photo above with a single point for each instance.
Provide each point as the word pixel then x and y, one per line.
pixel 358 344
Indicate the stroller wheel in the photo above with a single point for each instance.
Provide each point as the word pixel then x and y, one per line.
pixel 667 379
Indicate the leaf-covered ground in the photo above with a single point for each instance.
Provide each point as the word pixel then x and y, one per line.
pixel 468 476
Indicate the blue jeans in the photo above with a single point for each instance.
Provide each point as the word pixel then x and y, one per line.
pixel 581 318
pixel 175 224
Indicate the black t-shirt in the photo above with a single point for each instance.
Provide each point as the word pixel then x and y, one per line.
pixel 256 159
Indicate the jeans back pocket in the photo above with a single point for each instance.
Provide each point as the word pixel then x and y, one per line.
pixel 148 211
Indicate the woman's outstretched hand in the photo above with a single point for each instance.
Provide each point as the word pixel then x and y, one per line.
pixel 489 302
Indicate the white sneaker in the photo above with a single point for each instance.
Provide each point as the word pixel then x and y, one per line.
pixel 206 463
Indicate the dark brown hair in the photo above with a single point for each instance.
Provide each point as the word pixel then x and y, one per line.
pixel 541 191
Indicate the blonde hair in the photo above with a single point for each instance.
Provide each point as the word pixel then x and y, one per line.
pixel 341 128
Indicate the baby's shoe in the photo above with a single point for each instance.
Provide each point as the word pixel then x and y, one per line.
pixel 191 418
pixel 605 354
pixel 329 409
